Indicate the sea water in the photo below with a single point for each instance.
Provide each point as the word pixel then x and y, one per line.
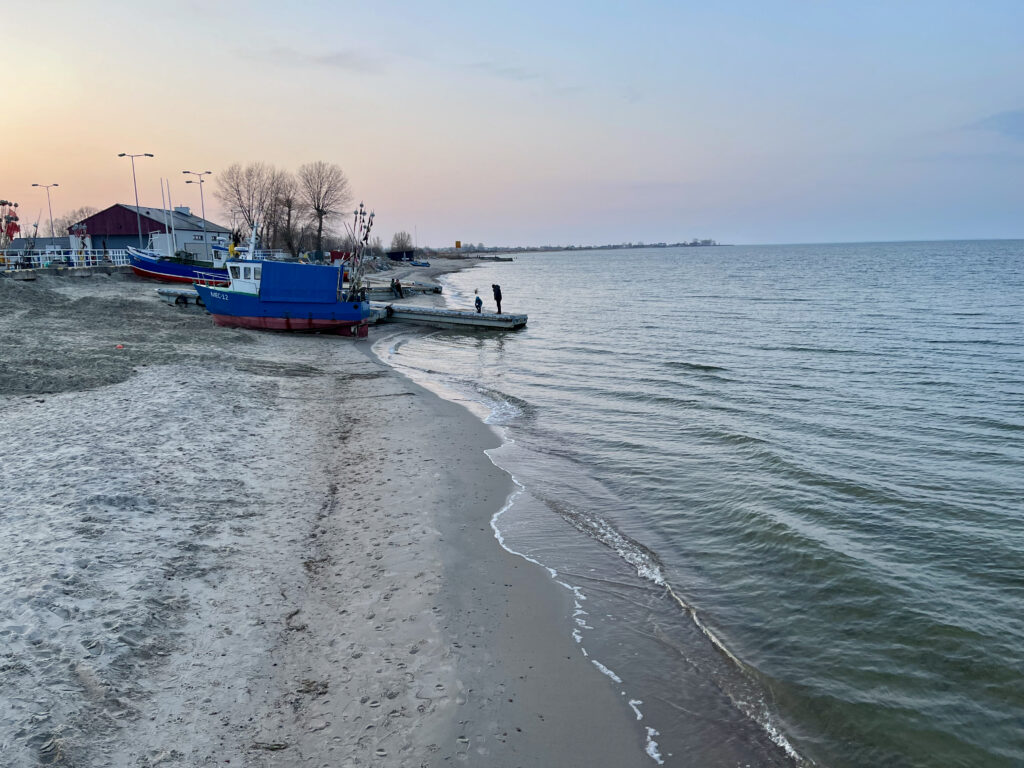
pixel 785 484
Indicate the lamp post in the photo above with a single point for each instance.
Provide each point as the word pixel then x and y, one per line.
pixel 50 207
pixel 138 216
pixel 202 203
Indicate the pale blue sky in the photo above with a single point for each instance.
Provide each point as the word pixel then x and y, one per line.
pixel 562 122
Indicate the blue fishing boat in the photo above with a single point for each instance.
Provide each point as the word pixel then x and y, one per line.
pixel 153 264
pixel 291 296
pixel 284 296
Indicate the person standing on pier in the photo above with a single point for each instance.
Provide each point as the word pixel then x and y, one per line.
pixel 497 295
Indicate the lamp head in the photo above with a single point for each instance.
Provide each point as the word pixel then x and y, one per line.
pixel 122 154
pixel 148 154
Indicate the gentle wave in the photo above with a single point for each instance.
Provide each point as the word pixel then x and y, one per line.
pixel 815 445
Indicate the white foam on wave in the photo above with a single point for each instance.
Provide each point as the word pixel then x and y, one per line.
pixel 652 746
pixel 502 412
pixel 606 671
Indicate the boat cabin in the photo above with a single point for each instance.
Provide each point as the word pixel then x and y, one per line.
pixel 245 276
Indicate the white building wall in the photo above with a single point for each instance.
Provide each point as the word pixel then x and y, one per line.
pixel 188 240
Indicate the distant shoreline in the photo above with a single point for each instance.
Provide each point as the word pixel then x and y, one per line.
pixel 466 252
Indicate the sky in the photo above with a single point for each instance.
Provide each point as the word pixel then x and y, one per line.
pixel 530 123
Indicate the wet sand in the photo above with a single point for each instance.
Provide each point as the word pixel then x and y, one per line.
pixel 240 548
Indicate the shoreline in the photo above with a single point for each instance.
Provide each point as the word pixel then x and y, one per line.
pixel 263 580
pixel 739 732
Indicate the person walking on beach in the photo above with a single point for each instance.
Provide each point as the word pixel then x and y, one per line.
pixel 497 296
pixel 478 301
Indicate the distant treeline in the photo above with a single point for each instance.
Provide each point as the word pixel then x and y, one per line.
pixel 481 248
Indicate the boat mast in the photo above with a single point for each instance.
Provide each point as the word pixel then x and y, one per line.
pixel 173 250
pixel 167 229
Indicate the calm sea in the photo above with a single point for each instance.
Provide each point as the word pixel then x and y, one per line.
pixel 784 483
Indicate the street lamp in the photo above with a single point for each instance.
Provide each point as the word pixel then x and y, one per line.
pixel 138 216
pixel 52 236
pixel 199 175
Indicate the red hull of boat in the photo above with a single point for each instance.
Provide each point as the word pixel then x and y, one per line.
pixel 296 324
pixel 169 278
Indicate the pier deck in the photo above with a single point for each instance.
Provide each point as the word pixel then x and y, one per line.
pixel 444 318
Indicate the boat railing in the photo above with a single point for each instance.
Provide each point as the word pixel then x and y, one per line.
pixel 68 257
pixel 210 279
pixel 242 254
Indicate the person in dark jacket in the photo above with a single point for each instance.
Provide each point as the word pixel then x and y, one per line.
pixel 497 296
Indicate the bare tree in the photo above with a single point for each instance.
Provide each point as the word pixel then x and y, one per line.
pixel 402 241
pixel 290 213
pixel 63 223
pixel 325 189
pixel 248 194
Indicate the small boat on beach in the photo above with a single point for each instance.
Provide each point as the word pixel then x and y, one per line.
pixel 290 296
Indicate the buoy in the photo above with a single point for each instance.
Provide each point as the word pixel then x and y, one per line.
pixel 120 346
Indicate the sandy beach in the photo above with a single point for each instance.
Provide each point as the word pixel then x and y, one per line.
pixel 228 547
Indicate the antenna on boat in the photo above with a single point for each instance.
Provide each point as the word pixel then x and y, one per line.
pixel 252 241
pixel 362 223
